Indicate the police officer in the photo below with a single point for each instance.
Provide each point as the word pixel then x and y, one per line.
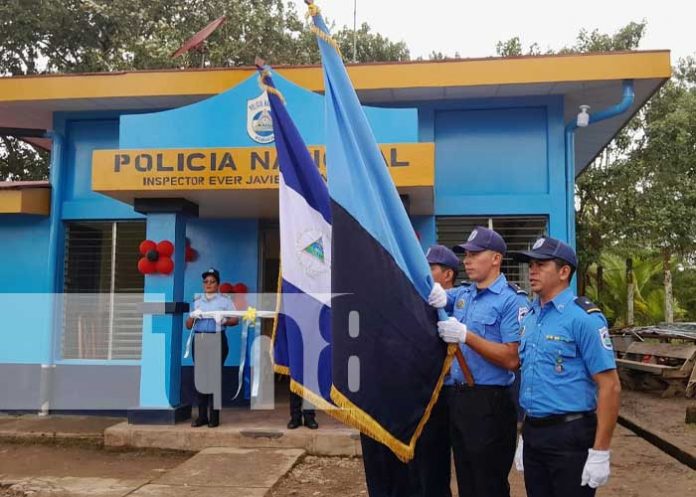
pixel 210 300
pixel 297 414
pixel 428 475
pixel 570 389
pixel 431 466
pixel 485 322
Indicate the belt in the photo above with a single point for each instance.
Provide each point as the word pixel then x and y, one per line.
pixel 465 387
pixel 557 419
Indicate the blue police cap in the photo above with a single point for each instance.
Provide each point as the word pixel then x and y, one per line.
pixel 482 239
pixel 212 272
pixel 548 248
pixel 439 254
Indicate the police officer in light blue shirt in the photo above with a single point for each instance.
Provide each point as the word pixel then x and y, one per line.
pixel 485 323
pixel 209 300
pixel 570 389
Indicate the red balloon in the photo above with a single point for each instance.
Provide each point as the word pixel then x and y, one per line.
pixel 146 245
pixel 165 265
pixel 240 288
pixel 226 288
pixel 191 254
pixel 146 266
pixel 165 248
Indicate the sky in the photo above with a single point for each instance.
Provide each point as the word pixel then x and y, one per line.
pixel 472 28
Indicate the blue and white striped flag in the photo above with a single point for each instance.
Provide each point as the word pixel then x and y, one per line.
pixel 302 336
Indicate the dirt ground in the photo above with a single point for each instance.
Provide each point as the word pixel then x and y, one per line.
pixel 663 415
pixel 22 460
pixel 639 470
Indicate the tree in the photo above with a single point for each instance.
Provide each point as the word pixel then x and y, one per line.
pixel 45 36
pixel 20 161
pixel 513 48
pixel 648 293
pixel 627 37
pixel 664 196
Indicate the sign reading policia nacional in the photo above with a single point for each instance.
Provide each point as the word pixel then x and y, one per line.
pixel 246 168
pixel 225 142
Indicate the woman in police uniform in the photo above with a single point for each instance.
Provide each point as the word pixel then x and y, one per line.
pixel 210 300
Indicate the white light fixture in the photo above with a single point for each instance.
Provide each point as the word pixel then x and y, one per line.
pixel 583 116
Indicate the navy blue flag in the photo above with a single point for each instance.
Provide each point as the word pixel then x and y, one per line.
pixel 302 333
pixel 388 362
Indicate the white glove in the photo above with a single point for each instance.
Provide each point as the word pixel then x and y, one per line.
pixel 437 297
pixel 596 471
pixel 196 314
pixel 519 461
pixel 452 331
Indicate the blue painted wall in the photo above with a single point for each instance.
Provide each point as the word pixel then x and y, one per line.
pixel 493 157
pixel 220 121
pixel 498 157
pixel 232 247
pixel 25 303
pixel 83 135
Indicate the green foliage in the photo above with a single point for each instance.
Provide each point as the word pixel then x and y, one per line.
pixel 685 284
pixel 45 36
pixel 612 294
pixel 112 35
pixel 513 48
pixel 21 161
pixel 626 38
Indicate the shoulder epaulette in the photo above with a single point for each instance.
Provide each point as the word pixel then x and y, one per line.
pixel 587 305
pixel 517 288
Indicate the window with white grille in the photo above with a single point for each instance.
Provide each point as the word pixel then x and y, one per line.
pixel 519 233
pixel 102 290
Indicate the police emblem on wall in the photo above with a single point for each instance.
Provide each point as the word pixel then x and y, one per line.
pixel 259 122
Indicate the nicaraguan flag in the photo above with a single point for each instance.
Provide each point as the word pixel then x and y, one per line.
pixel 388 362
pixel 302 335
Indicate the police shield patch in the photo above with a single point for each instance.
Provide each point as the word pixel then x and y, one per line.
pixel 605 338
pixel 521 313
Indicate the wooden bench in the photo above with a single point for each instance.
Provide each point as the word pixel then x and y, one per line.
pixel 671 363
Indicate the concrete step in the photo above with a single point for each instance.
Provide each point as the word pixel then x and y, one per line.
pixel 328 440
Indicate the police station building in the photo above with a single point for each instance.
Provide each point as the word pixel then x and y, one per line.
pixel 187 157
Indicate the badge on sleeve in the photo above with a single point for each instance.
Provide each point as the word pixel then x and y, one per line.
pixel 605 338
pixel 460 304
pixel 521 313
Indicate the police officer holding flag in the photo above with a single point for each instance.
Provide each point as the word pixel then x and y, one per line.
pixel 485 323
pixel 570 389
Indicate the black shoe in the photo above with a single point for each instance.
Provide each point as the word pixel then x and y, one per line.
pixel 294 423
pixel 311 423
pixel 214 418
pixel 199 422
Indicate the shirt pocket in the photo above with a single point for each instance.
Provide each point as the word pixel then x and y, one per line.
pixel 485 323
pixel 561 351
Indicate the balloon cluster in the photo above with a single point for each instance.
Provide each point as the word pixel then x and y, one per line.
pixel 157 257
pixel 238 292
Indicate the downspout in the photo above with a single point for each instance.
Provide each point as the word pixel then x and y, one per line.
pixel 54 237
pixel 619 108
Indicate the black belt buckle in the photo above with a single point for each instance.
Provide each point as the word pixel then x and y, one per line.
pixel 557 419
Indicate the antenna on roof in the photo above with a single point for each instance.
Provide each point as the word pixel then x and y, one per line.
pixel 197 41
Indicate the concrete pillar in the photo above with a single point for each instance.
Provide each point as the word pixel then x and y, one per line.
pixel 160 370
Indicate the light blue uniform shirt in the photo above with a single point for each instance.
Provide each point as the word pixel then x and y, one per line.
pixel 216 302
pixel 563 346
pixel 493 313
